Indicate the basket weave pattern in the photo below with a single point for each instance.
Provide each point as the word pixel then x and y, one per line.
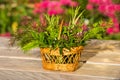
pixel 68 61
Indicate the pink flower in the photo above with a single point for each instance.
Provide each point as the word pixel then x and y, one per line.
pixel 65 2
pixel 108 8
pixel 42 20
pixel 69 3
pixel 111 8
pixel 41 7
pixel 116 25
pixel 34 25
pixel 55 8
pixel 89 7
pixel 106 2
pixel 44 4
pixel 110 30
pixel 37 11
pixel 73 4
pixel 117 7
pixel 114 20
pixel 116 30
pixel 54 4
pixel 84 27
pixel 111 15
pixel 102 8
pixel 55 11
pixel 95 1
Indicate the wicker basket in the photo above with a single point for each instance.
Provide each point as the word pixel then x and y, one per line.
pixel 68 61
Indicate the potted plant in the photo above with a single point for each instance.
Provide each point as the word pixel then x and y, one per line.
pixel 60 44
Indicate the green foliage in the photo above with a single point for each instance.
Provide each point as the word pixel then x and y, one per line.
pixel 116 1
pixel 112 37
pixel 96 32
pixel 11 11
pixel 57 35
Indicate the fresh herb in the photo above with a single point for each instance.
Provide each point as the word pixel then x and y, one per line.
pixel 56 34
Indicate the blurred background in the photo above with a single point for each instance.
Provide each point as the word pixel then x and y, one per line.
pixel 103 12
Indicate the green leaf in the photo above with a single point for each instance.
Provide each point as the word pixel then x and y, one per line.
pixel 30 45
pixel 61 51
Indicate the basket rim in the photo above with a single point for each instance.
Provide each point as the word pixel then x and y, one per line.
pixel 50 51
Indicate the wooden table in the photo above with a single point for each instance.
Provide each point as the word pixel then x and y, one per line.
pixel 102 63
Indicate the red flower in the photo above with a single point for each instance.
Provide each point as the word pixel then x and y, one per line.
pixel 7 34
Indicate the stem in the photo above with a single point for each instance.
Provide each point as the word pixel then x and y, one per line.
pixel 60 30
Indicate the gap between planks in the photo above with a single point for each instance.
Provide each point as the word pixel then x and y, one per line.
pixel 23 58
pixel 39 59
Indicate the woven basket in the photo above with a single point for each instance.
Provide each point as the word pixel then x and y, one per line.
pixel 68 61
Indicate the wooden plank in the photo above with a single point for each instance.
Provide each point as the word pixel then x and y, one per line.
pixel 103 44
pixel 22 75
pixel 106 57
pixel 32 75
pixel 16 52
pixel 27 66
pixel 4 41
pixel 7 50
pixel 20 64
pixel 101 67
pixel 102 63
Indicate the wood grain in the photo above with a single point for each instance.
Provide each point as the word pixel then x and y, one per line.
pixel 102 63
pixel 107 57
pixel 24 66
pixel 19 53
pixel 47 75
